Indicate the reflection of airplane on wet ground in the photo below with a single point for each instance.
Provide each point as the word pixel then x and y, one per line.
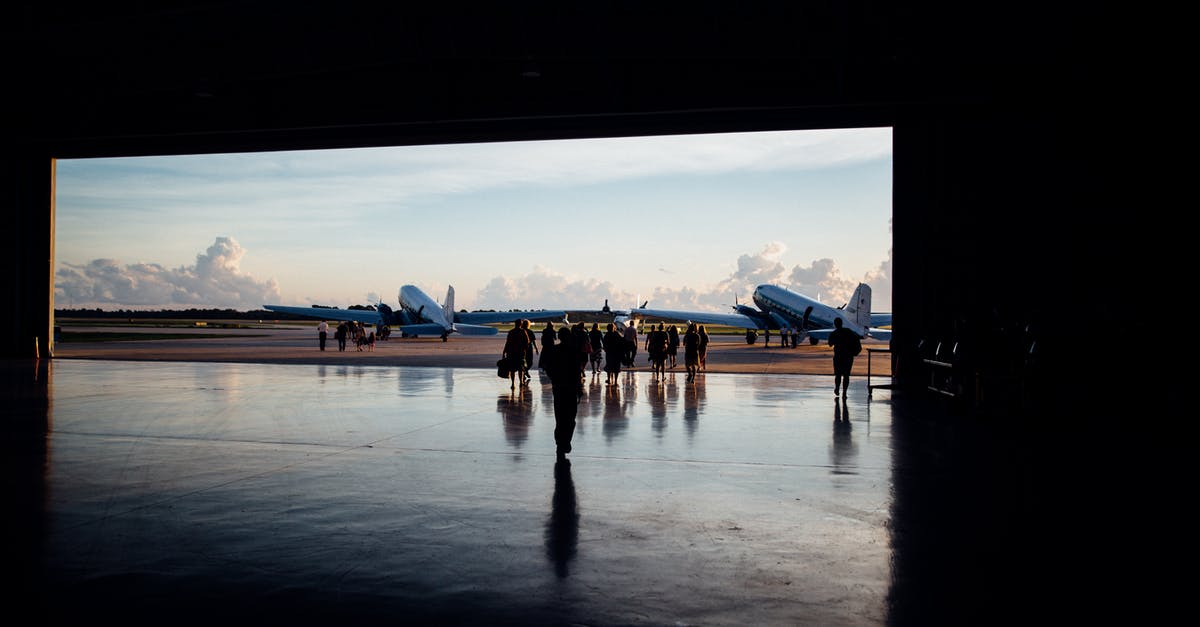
pixel 780 308
pixel 421 315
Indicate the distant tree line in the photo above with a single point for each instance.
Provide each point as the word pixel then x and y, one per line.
pixel 206 314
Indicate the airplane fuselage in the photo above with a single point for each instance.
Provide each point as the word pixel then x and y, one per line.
pixel 790 306
pixel 420 307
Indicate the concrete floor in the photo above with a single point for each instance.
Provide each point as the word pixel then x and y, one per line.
pixel 250 493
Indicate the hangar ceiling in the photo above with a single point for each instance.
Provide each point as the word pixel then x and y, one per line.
pixel 139 77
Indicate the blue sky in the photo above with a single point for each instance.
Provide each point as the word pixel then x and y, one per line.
pixel 685 221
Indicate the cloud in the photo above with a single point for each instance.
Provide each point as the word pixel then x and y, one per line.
pixel 544 288
pixel 216 281
pixel 880 281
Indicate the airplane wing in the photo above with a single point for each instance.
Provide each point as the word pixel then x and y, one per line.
pixel 874 333
pixel 493 317
pixel 702 317
pixel 322 313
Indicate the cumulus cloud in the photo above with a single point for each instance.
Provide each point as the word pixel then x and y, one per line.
pixel 821 279
pixel 880 281
pixel 215 281
pixel 544 289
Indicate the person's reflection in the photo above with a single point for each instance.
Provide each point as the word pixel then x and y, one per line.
pixel 516 408
pixel 615 421
pixel 656 396
pixel 591 405
pixel 843 450
pixel 692 400
pixel 562 530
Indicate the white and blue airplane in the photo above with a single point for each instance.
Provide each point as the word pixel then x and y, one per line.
pixel 781 308
pixel 420 315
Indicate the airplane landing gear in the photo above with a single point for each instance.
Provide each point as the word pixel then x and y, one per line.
pixel 444 336
pixel 751 336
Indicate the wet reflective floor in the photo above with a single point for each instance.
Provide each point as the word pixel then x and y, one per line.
pixel 326 494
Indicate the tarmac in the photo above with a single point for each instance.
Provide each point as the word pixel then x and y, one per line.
pixel 194 491
pixel 295 345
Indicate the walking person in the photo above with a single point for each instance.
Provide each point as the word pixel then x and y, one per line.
pixel 656 348
pixel 673 344
pixel 547 340
pixel 691 351
pixel 340 336
pixel 583 346
pixel 614 353
pixel 513 354
pixel 561 364
pixel 530 349
pixel 322 333
pixel 846 346
pixel 596 338
pixel 703 346
pixel 631 342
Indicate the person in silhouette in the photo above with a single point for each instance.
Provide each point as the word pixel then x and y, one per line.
pixel 596 338
pixel 322 333
pixel 515 344
pixel 561 364
pixel 703 346
pixel 846 346
pixel 530 349
pixel 614 352
pixel 691 351
pixel 340 335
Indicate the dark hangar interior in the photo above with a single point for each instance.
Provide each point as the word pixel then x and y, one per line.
pixel 1008 146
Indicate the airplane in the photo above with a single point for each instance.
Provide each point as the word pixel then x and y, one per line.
pixel 779 307
pixel 620 317
pixel 421 315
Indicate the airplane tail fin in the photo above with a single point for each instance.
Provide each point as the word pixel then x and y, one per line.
pixel 448 306
pixel 859 306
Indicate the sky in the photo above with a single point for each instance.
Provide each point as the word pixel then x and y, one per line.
pixel 683 221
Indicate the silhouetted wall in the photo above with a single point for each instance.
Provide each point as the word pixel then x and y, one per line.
pixel 25 253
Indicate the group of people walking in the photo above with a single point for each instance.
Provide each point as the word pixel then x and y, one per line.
pixel 662 346
pixel 349 331
pixel 567 353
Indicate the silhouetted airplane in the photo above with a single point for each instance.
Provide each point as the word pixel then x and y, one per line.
pixel 781 308
pixel 420 315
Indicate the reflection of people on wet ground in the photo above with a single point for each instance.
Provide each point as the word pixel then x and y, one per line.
pixel 691 351
pixel 614 353
pixel 322 333
pixel 561 364
pixel 703 346
pixel 516 409
pixel 514 353
pixel 843 445
pixel 562 530
pixel 596 338
pixel 846 345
